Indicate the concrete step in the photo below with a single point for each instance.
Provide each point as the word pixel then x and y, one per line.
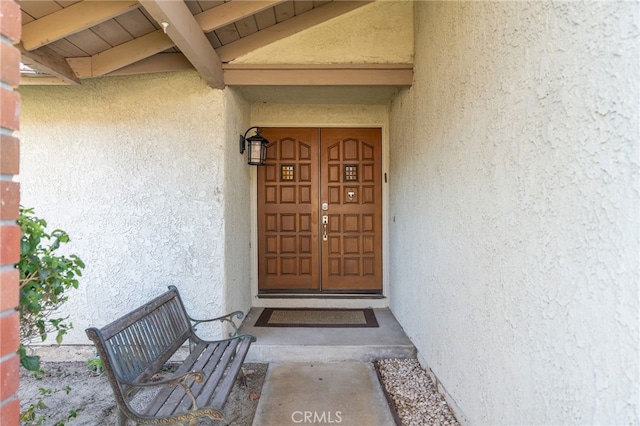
pixel 305 344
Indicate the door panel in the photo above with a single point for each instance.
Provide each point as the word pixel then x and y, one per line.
pixel 288 211
pixel 311 174
pixel 351 186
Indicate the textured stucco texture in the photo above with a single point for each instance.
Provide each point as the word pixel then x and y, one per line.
pixel 380 32
pixel 136 170
pixel 514 207
pixel 237 207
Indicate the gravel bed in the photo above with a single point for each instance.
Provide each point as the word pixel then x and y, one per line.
pixel 414 395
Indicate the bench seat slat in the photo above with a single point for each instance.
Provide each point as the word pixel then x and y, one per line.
pixel 166 392
pixel 212 373
pixel 219 372
pixel 179 399
pixel 225 388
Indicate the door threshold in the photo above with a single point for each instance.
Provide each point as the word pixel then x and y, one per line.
pixel 320 296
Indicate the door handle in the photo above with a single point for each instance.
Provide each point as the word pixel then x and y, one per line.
pixel 325 221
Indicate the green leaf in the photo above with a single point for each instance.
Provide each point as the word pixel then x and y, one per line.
pixel 30 362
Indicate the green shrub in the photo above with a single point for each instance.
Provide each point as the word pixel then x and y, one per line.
pixel 45 279
pixel 95 365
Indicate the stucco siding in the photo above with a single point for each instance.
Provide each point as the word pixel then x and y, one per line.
pixel 309 115
pixel 133 168
pixel 381 32
pixel 237 207
pixel 514 206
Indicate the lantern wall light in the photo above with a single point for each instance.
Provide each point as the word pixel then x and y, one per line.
pixel 256 147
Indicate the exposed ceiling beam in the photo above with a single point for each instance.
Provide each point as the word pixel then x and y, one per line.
pixel 132 51
pixel 47 61
pixel 231 51
pixel 319 75
pixel 230 12
pixel 257 75
pixel 41 81
pixel 162 62
pixel 73 19
pixel 188 37
pixel 81 66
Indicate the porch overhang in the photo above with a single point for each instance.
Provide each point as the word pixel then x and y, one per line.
pixel 66 43
pixel 397 75
pixel 318 75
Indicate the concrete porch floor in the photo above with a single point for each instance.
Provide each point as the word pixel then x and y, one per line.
pixel 305 344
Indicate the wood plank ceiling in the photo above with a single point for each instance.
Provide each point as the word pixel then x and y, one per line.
pixel 64 42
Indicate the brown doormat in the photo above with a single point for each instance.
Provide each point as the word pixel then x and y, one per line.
pixel 336 318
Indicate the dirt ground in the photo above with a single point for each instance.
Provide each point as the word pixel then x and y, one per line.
pixel 413 398
pixel 91 400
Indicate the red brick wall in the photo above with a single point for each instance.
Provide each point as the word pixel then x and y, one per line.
pixel 10 29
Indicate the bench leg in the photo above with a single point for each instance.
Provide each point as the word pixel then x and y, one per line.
pixel 122 419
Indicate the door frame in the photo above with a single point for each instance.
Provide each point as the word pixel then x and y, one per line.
pixel 324 300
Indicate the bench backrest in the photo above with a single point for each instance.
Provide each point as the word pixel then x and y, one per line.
pixel 138 344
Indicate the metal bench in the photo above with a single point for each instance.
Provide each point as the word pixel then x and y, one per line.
pixel 135 347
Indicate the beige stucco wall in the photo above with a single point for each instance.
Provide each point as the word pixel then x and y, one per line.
pixel 136 170
pixel 381 32
pixel 237 206
pixel 310 115
pixel 514 207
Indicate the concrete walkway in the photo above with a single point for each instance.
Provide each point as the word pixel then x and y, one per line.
pixel 344 393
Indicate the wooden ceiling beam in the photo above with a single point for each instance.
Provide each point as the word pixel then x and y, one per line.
pixel 70 20
pixel 162 62
pixel 319 75
pixel 47 61
pixel 41 81
pixel 81 66
pixel 132 51
pixel 185 32
pixel 230 12
pixel 231 51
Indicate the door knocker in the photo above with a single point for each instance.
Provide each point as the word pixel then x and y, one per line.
pixel 351 194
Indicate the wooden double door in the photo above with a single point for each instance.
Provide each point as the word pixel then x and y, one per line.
pixel 319 211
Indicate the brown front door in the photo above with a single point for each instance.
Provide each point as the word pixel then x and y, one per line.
pixel 319 211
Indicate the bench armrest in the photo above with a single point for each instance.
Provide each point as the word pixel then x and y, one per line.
pixel 224 318
pixel 236 336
